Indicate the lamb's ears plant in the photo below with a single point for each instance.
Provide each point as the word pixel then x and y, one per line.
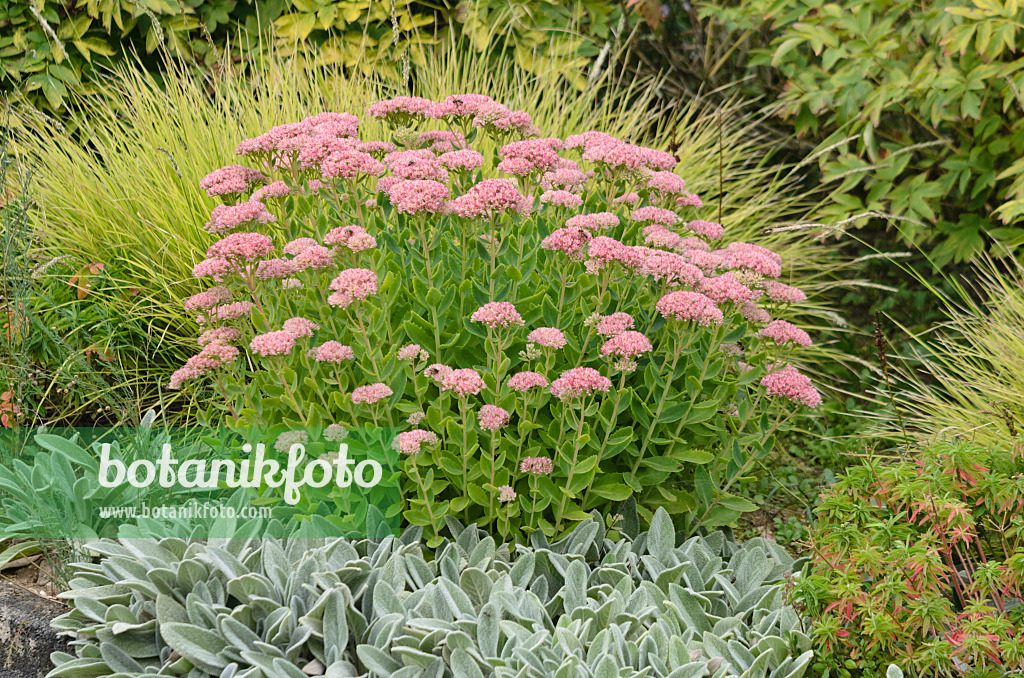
pixel 581 606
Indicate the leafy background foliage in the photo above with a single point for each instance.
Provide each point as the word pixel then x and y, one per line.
pixel 49 50
pixel 916 111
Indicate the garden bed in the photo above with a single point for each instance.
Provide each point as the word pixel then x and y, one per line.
pixel 26 639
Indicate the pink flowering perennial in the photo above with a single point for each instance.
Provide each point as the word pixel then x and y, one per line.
pixel 492 418
pixel 498 315
pixel 370 394
pixel 783 332
pixel 788 383
pixel 690 307
pixel 351 285
pixel 579 382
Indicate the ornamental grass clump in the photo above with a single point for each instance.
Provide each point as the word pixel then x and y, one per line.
pixel 921 562
pixel 385 284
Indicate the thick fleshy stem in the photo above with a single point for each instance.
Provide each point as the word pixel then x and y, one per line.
pixel 661 405
pixel 572 465
pixel 607 437
pixel 427 501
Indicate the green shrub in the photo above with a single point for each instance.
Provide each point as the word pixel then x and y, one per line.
pixel 583 606
pixel 916 109
pixel 921 561
pixel 50 50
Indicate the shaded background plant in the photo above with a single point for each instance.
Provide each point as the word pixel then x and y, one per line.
pixel 916 111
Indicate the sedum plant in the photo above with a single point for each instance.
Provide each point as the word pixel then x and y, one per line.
pixel 582 606
pixel 922 562
pixel 548 321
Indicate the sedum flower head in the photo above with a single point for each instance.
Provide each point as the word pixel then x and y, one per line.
pixel 788 383
pixel 351 285
pixel 578 383
pixel 524 381
pixel 548 337
pixel 463 382
pixel 412 442
pixel 492 417
pixel 498 315
pixel 690 306
pixel 370 394
pixel 538 466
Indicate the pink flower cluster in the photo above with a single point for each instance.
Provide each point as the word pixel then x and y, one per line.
pixel 276 343
pixel 498 315
pixel 629 344
pixel 597 221
pixel 753 258
pixel 220 335
pixel 208 298
pixel 415 164
pixel 463 382
pixel 462 160
pixel 615 324
pixel 665 185
pixel 726 288
pixel 489 199
pixel 441 140
pixel 709 230
pixel 570 240
pixel 530 156
pixel 272 191
pixel 654 215
pixel 672 269
pixel 603 250
pixel 617 156
pixel 418 195
pixel 783 294
pixel 212 357
pixel 228 217
pixel 370 394
pixel 332 352
pixel 548 337
pixel 579 382
pixel 691 307
pixel 781 332
pixel 524 381
pixel 231 311
pixel 245 246
pixel 402 110
pixel 412 353
pixel 570 179
pixel 231 179
pixel 354 238
pixel 538 466
pixel 412 442
pixel 492 418
pixel 790 384
pixel 286 141
pixel 561 199
pixel 300 327
pixel 352 285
